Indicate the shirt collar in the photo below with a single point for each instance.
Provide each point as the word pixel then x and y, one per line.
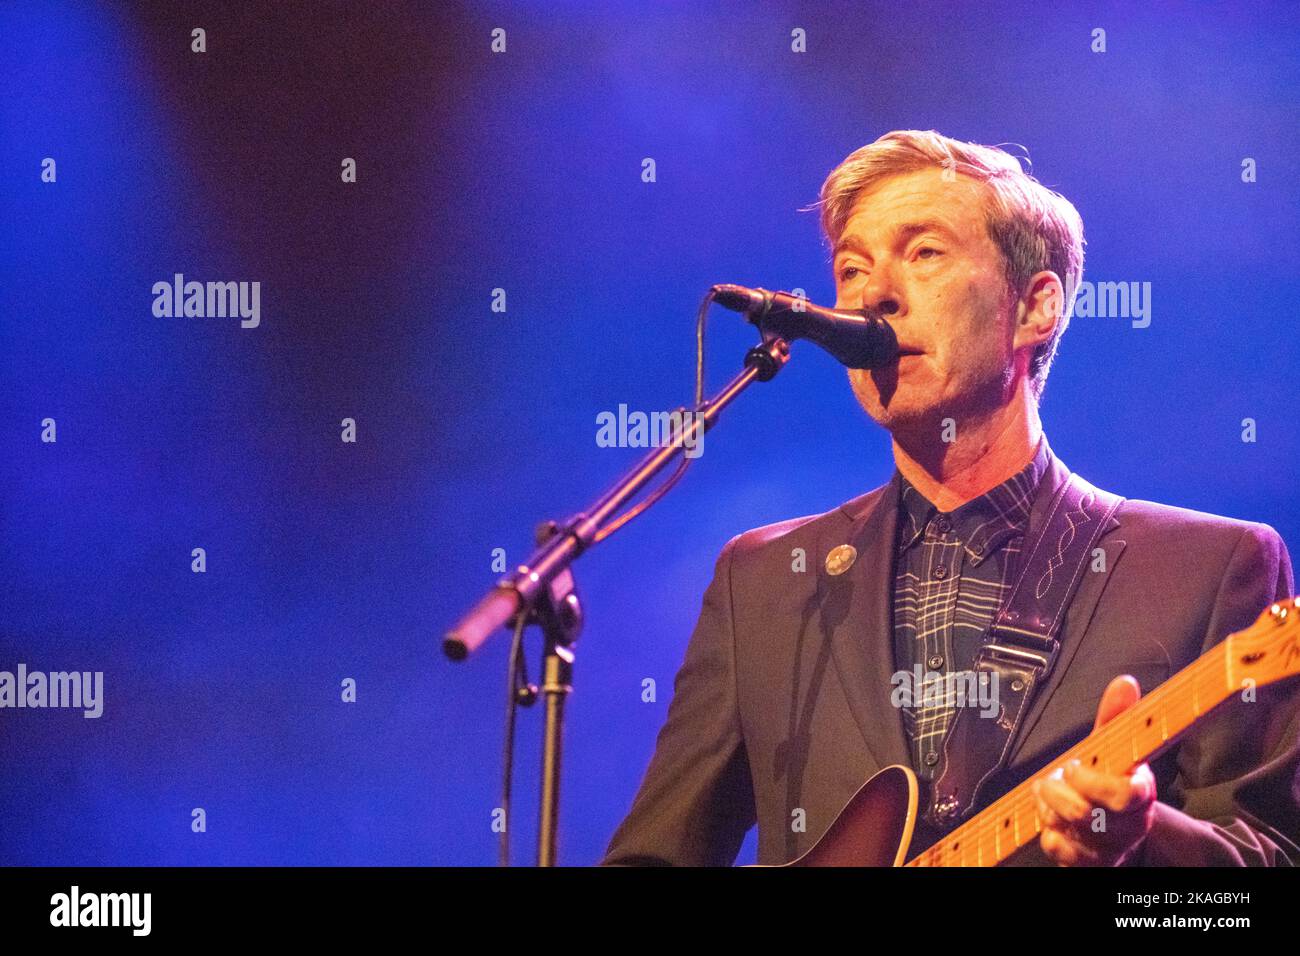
pixel 983 523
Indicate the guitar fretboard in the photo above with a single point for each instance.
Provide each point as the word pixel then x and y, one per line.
pixel 1139 733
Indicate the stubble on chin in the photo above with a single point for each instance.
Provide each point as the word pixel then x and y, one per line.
pixel 878 395
pixel 919 416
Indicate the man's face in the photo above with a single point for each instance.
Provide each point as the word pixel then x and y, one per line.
pixel 922 243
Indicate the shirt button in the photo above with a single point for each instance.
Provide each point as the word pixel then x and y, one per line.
pixel 935 662
pixel 943 524
pixel 940 571
pixel 931 759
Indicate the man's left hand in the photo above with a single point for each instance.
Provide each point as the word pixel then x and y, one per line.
pixel 1093 818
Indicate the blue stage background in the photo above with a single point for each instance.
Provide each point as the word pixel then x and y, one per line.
pixel 522 171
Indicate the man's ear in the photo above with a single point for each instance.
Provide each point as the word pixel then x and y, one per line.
pixel 1039 311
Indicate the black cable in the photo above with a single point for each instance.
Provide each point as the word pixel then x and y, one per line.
pixel 701 317
pixel 518 680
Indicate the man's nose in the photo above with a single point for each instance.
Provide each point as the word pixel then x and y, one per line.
pixel 881 294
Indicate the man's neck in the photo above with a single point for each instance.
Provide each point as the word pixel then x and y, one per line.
pixel 983 454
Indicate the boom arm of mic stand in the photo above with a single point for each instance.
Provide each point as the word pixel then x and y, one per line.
pixel 518 592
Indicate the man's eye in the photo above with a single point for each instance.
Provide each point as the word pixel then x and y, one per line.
pixel 927 249
pixel 847 273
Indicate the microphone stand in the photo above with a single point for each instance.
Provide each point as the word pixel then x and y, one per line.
pixel 544 593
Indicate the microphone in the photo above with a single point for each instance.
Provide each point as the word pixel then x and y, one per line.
pixel 856 338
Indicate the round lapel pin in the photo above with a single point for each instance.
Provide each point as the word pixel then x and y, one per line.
pixel 841 559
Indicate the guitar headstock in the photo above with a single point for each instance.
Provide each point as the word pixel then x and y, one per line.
pixel 1269 650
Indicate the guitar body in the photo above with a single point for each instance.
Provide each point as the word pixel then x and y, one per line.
pixel 875 826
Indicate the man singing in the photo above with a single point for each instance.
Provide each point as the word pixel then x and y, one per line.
pixel 785 702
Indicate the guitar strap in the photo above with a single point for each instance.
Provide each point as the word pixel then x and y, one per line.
pixel 1019 648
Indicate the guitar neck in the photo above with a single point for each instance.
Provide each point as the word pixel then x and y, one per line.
pixel 1144 730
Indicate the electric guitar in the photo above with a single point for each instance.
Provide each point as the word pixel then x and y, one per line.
pixel 875 827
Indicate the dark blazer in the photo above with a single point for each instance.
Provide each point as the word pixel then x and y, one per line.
pixel 783 700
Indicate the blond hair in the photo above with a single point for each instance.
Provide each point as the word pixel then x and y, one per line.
pixel 1033 227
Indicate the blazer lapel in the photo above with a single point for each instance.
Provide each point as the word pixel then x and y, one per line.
pixel 857 621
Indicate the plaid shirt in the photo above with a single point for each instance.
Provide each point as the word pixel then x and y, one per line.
pixel 952 572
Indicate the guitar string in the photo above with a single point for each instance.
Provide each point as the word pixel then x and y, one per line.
pixel 1207 673
pixel 1212 673
pixel 1113 745
pixel 1013 804
pixel 1202 685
